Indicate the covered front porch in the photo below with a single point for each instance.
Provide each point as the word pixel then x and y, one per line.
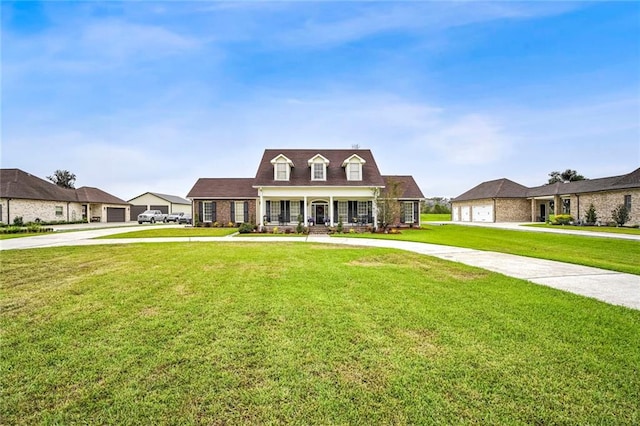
pixel 316 211
pixel 544 206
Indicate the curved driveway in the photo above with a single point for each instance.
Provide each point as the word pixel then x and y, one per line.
pixel 608 286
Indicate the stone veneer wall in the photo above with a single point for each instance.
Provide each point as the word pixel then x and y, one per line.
pixel 30 210
pixel 604 203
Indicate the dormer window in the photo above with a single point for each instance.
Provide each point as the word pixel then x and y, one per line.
pixel 353 167
pixel 281 168
pixel 318 166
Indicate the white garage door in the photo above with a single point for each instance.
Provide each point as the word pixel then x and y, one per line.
pixel 466 213
pixel 483 213
pixel 456 215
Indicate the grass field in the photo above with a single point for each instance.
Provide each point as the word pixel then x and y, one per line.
pixel 305 334
pixel 607 253
pixel 608 229
pixel 432 217
pixel 175 232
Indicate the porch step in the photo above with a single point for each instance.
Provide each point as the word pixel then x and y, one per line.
pixel 318 230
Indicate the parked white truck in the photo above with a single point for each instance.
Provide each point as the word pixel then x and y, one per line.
pixel 152 216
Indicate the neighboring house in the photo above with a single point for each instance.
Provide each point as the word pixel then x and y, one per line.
pixel 27 196
pixel 315 186
pixel 155 201
pixel 503 200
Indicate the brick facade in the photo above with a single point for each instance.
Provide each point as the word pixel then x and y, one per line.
pixel 223 211
pixel 604 203
pixel 512 210
pixel 45 211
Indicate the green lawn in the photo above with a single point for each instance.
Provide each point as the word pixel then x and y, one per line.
pixel 175 232
pixel 608 229
pixel 607 253
pixel 432 217
pixel 305 334
pixel 22 235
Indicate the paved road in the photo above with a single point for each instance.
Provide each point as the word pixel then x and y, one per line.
pixel 608 286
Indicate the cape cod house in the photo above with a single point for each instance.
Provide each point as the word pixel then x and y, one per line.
pixel 314 186
pixel 503 200
pixel 34 199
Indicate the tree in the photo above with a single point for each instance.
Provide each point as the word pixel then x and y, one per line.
pixel 389 207
pixel 591 217
pixel 620 214
pixel 566 176
pixel 63 178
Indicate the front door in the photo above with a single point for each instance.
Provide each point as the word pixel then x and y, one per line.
pixel 543 212
pixel 320 213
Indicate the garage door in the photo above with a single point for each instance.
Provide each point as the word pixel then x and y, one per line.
pixel 135 211
pixel 456 215
pixel 116 214
pixel 163 209
pixel 465 212
pixel 483 213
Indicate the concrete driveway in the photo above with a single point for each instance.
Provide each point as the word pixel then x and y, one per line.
pixel 608 286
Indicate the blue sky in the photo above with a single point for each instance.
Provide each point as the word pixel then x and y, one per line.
pixel 149 96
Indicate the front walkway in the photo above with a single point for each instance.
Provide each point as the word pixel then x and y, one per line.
pixel 608 286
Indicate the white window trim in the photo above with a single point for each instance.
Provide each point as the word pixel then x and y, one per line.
pixel 287 171
pixel 204 211
pixel 348 169
pixel 239 210
pixel 313 171
pixel 408 212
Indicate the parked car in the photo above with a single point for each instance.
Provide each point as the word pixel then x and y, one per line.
pixel 185 218
pixel 152 216
pixel 174 217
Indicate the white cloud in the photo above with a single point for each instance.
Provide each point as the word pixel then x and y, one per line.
pixel 470 140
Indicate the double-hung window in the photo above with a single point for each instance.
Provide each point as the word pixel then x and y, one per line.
pixel 281 171
pixel 239 212
pixel 275 211
pixel 294 210
pixel 318 171
pixel 627 202
pixel 343 211
pixel 355 171
pixel 59 211
pixel 207 210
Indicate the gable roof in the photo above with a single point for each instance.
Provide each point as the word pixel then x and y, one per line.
pixel 174 199
pixel 231 188
pixel 504 188
pixel 15 183
pixel 88 194
pixel 410 189
pixel 499 188
pixel 300 172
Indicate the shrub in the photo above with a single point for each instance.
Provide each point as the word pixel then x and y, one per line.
pixel 620 215
pixel 562 219
pixel 287 230
pixel 17 221
pixel 340 228
pixel 246 228
pixel 231 225
pixel 275 229
pixel 591 217
pixel 216 224
pixel 299 228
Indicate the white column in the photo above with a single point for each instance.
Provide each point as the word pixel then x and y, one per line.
pixel 261 209
pixel 374 208
pixel 331 209
pixel 306 215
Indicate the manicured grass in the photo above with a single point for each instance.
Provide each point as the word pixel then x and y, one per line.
pixel 175 232
pixel 432 217
pixel 608 229
pixel 305 334
pixel 607 253
pixel 22 235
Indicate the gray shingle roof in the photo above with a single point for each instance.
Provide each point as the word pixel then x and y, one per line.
pixel 174 199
